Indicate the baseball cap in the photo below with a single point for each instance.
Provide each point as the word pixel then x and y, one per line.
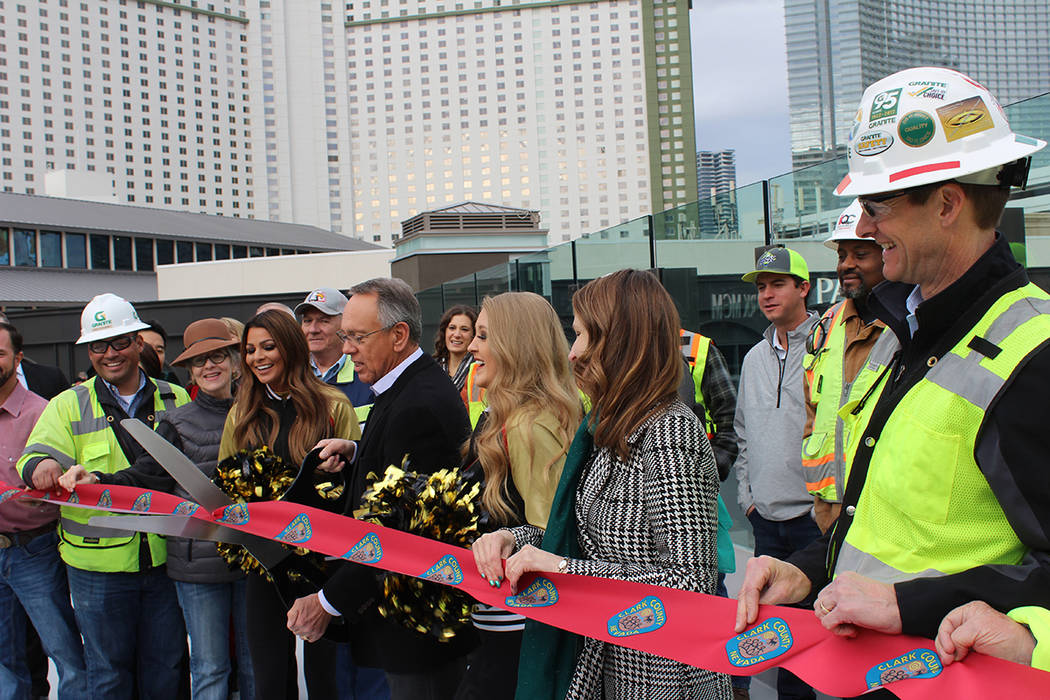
pixel 780 261
pixel 328 301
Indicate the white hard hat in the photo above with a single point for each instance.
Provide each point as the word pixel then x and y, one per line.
pixel 926 125
pixel 107 316
pixel 846 227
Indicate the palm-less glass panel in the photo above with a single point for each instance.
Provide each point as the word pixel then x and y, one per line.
pixel 25 247
pixel 50 249
pixel 76 250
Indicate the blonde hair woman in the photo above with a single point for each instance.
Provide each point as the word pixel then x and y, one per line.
pixel 520 444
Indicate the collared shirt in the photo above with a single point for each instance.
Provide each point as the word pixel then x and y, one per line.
pixel 912 303
pixel 329 374
pixel 130 404
pixel 390 377
pixel 780 350
pixel 18 415
pixel 21 376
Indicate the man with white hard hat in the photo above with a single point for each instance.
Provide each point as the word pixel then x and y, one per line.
pixel 838 347
pixel 947 500
pixel 124 602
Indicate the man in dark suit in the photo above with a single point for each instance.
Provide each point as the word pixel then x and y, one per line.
pixel 43 380
pixel 418 413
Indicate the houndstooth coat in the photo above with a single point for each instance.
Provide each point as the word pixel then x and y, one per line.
pixel 653 519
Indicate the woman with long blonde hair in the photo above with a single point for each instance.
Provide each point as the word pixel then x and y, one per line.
pixel 520 444
pixel 636 500
pixel 282 405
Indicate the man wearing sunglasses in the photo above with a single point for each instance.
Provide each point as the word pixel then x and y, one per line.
pixel 838 348
pixel 947 500
pixel 123 600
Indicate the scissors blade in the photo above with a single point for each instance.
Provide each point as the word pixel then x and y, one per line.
pixel 268 552
pixel 181 468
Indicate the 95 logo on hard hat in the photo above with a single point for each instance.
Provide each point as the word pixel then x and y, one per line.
pixel 885 105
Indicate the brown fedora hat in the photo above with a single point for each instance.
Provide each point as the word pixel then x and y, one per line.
pixel 204 336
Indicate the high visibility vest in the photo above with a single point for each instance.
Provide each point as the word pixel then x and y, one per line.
pixel 695 348
pixel 822 452
pixel 925 508
pixel 475 397
pixel 74 429
pixel 346 375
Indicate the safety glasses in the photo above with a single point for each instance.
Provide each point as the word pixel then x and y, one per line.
pixel 121 342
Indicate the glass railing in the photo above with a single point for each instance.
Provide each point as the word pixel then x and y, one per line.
pixel 700 247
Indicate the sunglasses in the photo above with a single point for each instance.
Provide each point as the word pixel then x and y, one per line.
pixel 217 358
pixel 876 206
pixel 99 347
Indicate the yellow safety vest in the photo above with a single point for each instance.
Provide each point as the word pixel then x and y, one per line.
pixel 925 508
pixel 346 375
pixel 475 397
pixel 695 348
pixel 74 429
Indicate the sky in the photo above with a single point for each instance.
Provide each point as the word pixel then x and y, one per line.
pixel 740 84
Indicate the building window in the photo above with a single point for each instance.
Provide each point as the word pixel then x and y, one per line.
pixel 273 251
pixel 122 253
pixel 50 249
pixel 99 252
pixel 240 251
pixel 256 251
pixel 5 250
pixel 144 254
pixel 165 252
pixel 25 247
pixel 76 251
pixel 184 251
pixel 222 251
pixel 203 252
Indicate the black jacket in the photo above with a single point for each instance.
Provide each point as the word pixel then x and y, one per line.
pixel 1011 447
pixel 421 416
pixel 44 380
pixel 195 429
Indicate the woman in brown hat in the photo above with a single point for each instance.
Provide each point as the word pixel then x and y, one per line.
pixel 209 592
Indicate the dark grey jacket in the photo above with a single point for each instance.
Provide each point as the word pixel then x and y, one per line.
pixel 195 429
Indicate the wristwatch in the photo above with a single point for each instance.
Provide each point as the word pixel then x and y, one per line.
pixel 563 565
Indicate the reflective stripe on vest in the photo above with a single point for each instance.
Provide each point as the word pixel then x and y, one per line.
pixel 820 465
pixel 925 507
pixel 73 527
pixel 695 348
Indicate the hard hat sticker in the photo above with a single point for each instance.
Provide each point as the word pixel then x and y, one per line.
pixel 964 118
pixel 885 104
pixel 873 143
pixel 916 129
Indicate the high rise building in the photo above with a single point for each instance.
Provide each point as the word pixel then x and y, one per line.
pixel 354 115
pixel 716 200
pixel 835 48
pixel 151 98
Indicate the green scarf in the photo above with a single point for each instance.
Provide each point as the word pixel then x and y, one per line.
pixel 548 654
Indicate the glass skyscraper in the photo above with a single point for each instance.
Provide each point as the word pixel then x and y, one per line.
pixel 835 48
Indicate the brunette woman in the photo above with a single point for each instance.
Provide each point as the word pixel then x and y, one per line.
pixel 451 343
pixel 281 404
pixel 636 499
pixel 520 443
pixel 210 595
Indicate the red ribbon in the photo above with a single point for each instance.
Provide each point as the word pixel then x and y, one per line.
pixel 693 628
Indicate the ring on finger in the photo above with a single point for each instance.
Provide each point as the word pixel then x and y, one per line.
pixel 825 608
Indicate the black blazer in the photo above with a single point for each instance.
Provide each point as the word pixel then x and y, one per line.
pixel 422 416
pixel 44 380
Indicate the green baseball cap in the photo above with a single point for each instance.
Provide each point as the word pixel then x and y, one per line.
pixel 779 261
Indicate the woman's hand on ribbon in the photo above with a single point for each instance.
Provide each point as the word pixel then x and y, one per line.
pixel 768 581
pixel 74 476
pixel 528 559
pixel 978 627
pixel 336 453
pixel 852 601
pixel 489 552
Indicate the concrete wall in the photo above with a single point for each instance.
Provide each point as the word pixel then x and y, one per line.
pixel 276 275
